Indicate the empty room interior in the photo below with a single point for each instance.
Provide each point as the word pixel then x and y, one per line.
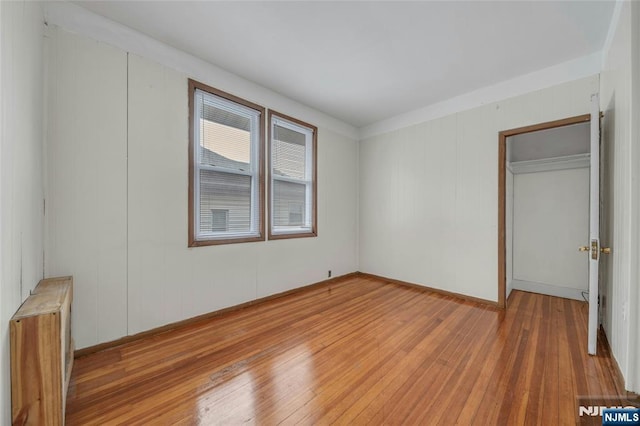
pixel 351 212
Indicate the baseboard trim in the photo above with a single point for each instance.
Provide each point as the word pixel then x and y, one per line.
pixel 204 317
pixel 618 378
pixel 427 289
pixel 509 288
pixel 551 290
pixel 615 368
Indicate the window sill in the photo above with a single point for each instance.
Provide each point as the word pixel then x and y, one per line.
pixel 285 236
pixel 221 241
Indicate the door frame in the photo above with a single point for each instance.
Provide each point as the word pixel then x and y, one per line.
pixel 502 195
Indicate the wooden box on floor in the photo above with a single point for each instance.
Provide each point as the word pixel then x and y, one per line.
pixel 42 354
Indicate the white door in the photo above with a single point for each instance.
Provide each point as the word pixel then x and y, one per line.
pixel 594 223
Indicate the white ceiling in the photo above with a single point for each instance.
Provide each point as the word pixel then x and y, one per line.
pixel 364 61
pixel 550 143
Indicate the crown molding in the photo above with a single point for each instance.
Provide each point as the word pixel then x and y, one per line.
pixel 78 20
pixel 575 69
pixel 611 33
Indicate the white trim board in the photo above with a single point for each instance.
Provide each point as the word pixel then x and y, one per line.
pixel 565 72
pixel 78 20
pixel 613 26
pixel 550 290
pixel 578 161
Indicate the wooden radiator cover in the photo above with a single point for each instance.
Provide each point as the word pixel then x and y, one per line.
pixel 42 354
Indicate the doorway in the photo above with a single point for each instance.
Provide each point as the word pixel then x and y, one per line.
pixel 561 156
pixel 547 202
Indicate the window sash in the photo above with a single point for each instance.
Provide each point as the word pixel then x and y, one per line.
pixel 220 218
pixel 308 212
pixel 202 97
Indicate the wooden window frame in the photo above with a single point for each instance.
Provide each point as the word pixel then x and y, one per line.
pixel 193 241
pixel 313 232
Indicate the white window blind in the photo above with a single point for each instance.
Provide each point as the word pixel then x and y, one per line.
pixel 219 220
pixel 292 177
pixel 226 175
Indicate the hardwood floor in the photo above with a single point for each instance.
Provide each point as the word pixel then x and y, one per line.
pixel 360 351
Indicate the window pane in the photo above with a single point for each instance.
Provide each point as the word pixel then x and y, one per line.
pixel 292 150
pixel 296 214
pixel 219 220
pixel 225 138
pixel 225 168
pixel 224 194
pixel 288 154
pixel 288 204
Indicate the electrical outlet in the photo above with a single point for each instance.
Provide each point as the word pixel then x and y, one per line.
pixel 329 274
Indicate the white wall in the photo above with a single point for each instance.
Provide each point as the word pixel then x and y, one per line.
pixel 118 180
pixel 620 139
pixel 429 192
pixel 550 221
pixel 78 20
pixel 428 195
pixel 86 181
pixel 21 207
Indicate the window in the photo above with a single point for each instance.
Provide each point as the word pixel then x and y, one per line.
pixel 295 214
pixel 219 220
pixel 225 168
pixel 292 177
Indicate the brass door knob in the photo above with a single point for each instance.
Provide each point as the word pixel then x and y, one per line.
pixel 583 248
pixel 605 250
